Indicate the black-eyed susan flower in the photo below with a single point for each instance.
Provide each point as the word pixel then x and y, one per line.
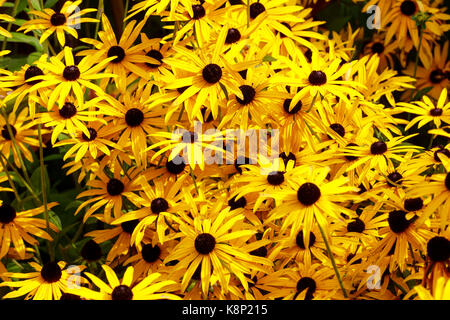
pixel 151 287
pixel 21 86
pixel 207 241
pixel 68 77
pixel 307 282
pixel 434 73
pixel 317 79
pixel 188 147
pixel 312 199
pixel 109 191
pixel 256 93
pixel 47 282
pixel 426 111
pixel 69 118
pixel 132 121
pixel 92 141
pixel 125 56
pixel 60 22
pixel 379 154
pixel 208 72
pixel 18 227
pixel 17 131
pixel 158 205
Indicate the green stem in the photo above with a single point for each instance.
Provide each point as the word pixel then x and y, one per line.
pixel 195 182
pixel 125 12
pixel 25 183
pixel 44 191
pixel 8 28
pixel 181 113
pixel 100 10
pixel 330 254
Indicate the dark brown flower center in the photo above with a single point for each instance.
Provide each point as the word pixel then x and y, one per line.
pixel 295 109
pixel 378 147
pixel 134 117
pixel 212 73
pixel 351 158
pixel 256 9
pixel 356 225
pixel 155 54
pixel 443 151
pixel 189 137
pixel 129 226
pixel 115 187
pixel 91 251
pixel 150 253
pixel 7 213
pixel 447 181
pixel 58 19
pixel 438 249
pixel 122 292
pixel 308 193
pixel 306 283
pixel 198 11
pixel 301 243
pixel 5 132
pixel 236 204
pixel 275 178
pixel 436 76
pixel 377 47
pixel 176 165
pixel 233 35
pixel 317 78
pixel 68 110
pixel 394 177
pixel 159 205
pixel 71 73
pixel 436 112
pixel 92 135
pixel 118 52
pixel 51 272
pixel 397 221
pixel 338 128
pixel 249 94
pixel 408 8
pixel 204 243
pixel 31 72
pixel 413 204
pixel 287 158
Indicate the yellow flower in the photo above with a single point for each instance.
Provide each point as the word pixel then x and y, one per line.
pixel 65 20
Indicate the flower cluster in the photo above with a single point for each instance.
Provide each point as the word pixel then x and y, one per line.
pixel 247 152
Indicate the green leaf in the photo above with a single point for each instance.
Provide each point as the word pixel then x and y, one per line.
pixel 269 58
pixel 35 4
pixel 36 180
pixel 34 56
pixel 421 93
pixel 50 3
pixel 22 38
pixel 53 217
pixel 13 64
